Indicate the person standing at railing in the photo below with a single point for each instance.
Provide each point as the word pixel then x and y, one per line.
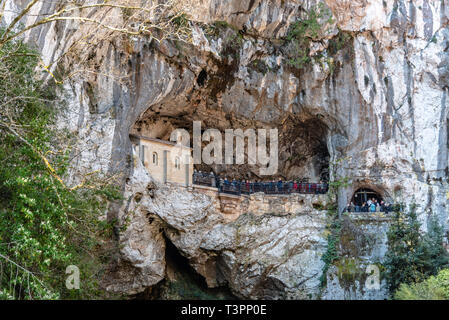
pixel 280 185
pixel 320 187
pixel 378 209
pixel 295 186
pixel 212 179
pixel 382 206
pixel 364 207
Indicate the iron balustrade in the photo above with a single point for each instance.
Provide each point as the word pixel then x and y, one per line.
pixel 230 188
pixel 241 187
pixel 396 207
pixel 204 179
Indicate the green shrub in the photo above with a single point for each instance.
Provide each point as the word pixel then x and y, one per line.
pixel 413 256
pixel 303 31
pixel 44 224
pixel 434 288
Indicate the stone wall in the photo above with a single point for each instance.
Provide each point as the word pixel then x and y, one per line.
pixel 363 243
pixel 232 206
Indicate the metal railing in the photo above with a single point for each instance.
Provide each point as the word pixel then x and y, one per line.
pixel 241 187
pixel 204 179
pixel 383 208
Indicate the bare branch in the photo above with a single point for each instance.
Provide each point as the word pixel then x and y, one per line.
pixel 17 19
pixel 144 21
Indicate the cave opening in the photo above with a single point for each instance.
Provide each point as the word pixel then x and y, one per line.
pixel 202 78
pixel 182 281
pixel 362 195
pixel 303 153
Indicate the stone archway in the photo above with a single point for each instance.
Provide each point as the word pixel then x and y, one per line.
pixel 362 195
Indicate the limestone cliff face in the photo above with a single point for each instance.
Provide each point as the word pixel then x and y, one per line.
pixel 376 108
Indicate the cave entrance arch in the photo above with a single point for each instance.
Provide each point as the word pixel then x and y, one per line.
pixel 362 195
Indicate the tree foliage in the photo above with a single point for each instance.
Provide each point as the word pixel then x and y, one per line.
pixel 314 26
pixel 44 224
pixel 433 288
pixel 413 256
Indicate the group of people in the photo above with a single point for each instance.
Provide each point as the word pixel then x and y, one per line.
pixel 372 205
pixel 246 186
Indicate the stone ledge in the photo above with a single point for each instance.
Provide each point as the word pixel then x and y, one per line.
pixel 199 186
pixel 378 216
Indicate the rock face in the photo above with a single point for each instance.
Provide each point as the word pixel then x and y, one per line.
pixel 363 244
pixel 373 100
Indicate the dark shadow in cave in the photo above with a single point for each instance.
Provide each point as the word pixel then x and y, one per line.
pixel 362 195
pixel 182 281
pixel 202 77
pixel 305 144
pixel 303 150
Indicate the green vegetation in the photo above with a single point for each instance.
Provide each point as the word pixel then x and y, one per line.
pixel 45 225
pixel 434 288
pixel 233 44
pixel 185 288
pixel 413 256
pixel 339 42
pixel 334 225
pixel 303 31
pixel 233 39
pixel 349 270
pixel 331 254
pixel 213 30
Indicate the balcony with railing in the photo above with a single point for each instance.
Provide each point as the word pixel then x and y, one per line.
pixel 242 187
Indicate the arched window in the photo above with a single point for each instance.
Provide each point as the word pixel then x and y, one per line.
pixel 155 158
pixel 177 163
pixel 362 195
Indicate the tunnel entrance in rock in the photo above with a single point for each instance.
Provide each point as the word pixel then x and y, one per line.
pixel 303 153
pixel 362 195
pixel 202 77
pixel 182 281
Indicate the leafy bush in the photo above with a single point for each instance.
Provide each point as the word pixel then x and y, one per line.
pixel 333 237
pixel 413 256
pixel 44 224
pixel 303 31
pixel 434 288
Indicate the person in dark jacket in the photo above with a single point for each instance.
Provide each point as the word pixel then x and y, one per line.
pixel 365 207
pixel 280 185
